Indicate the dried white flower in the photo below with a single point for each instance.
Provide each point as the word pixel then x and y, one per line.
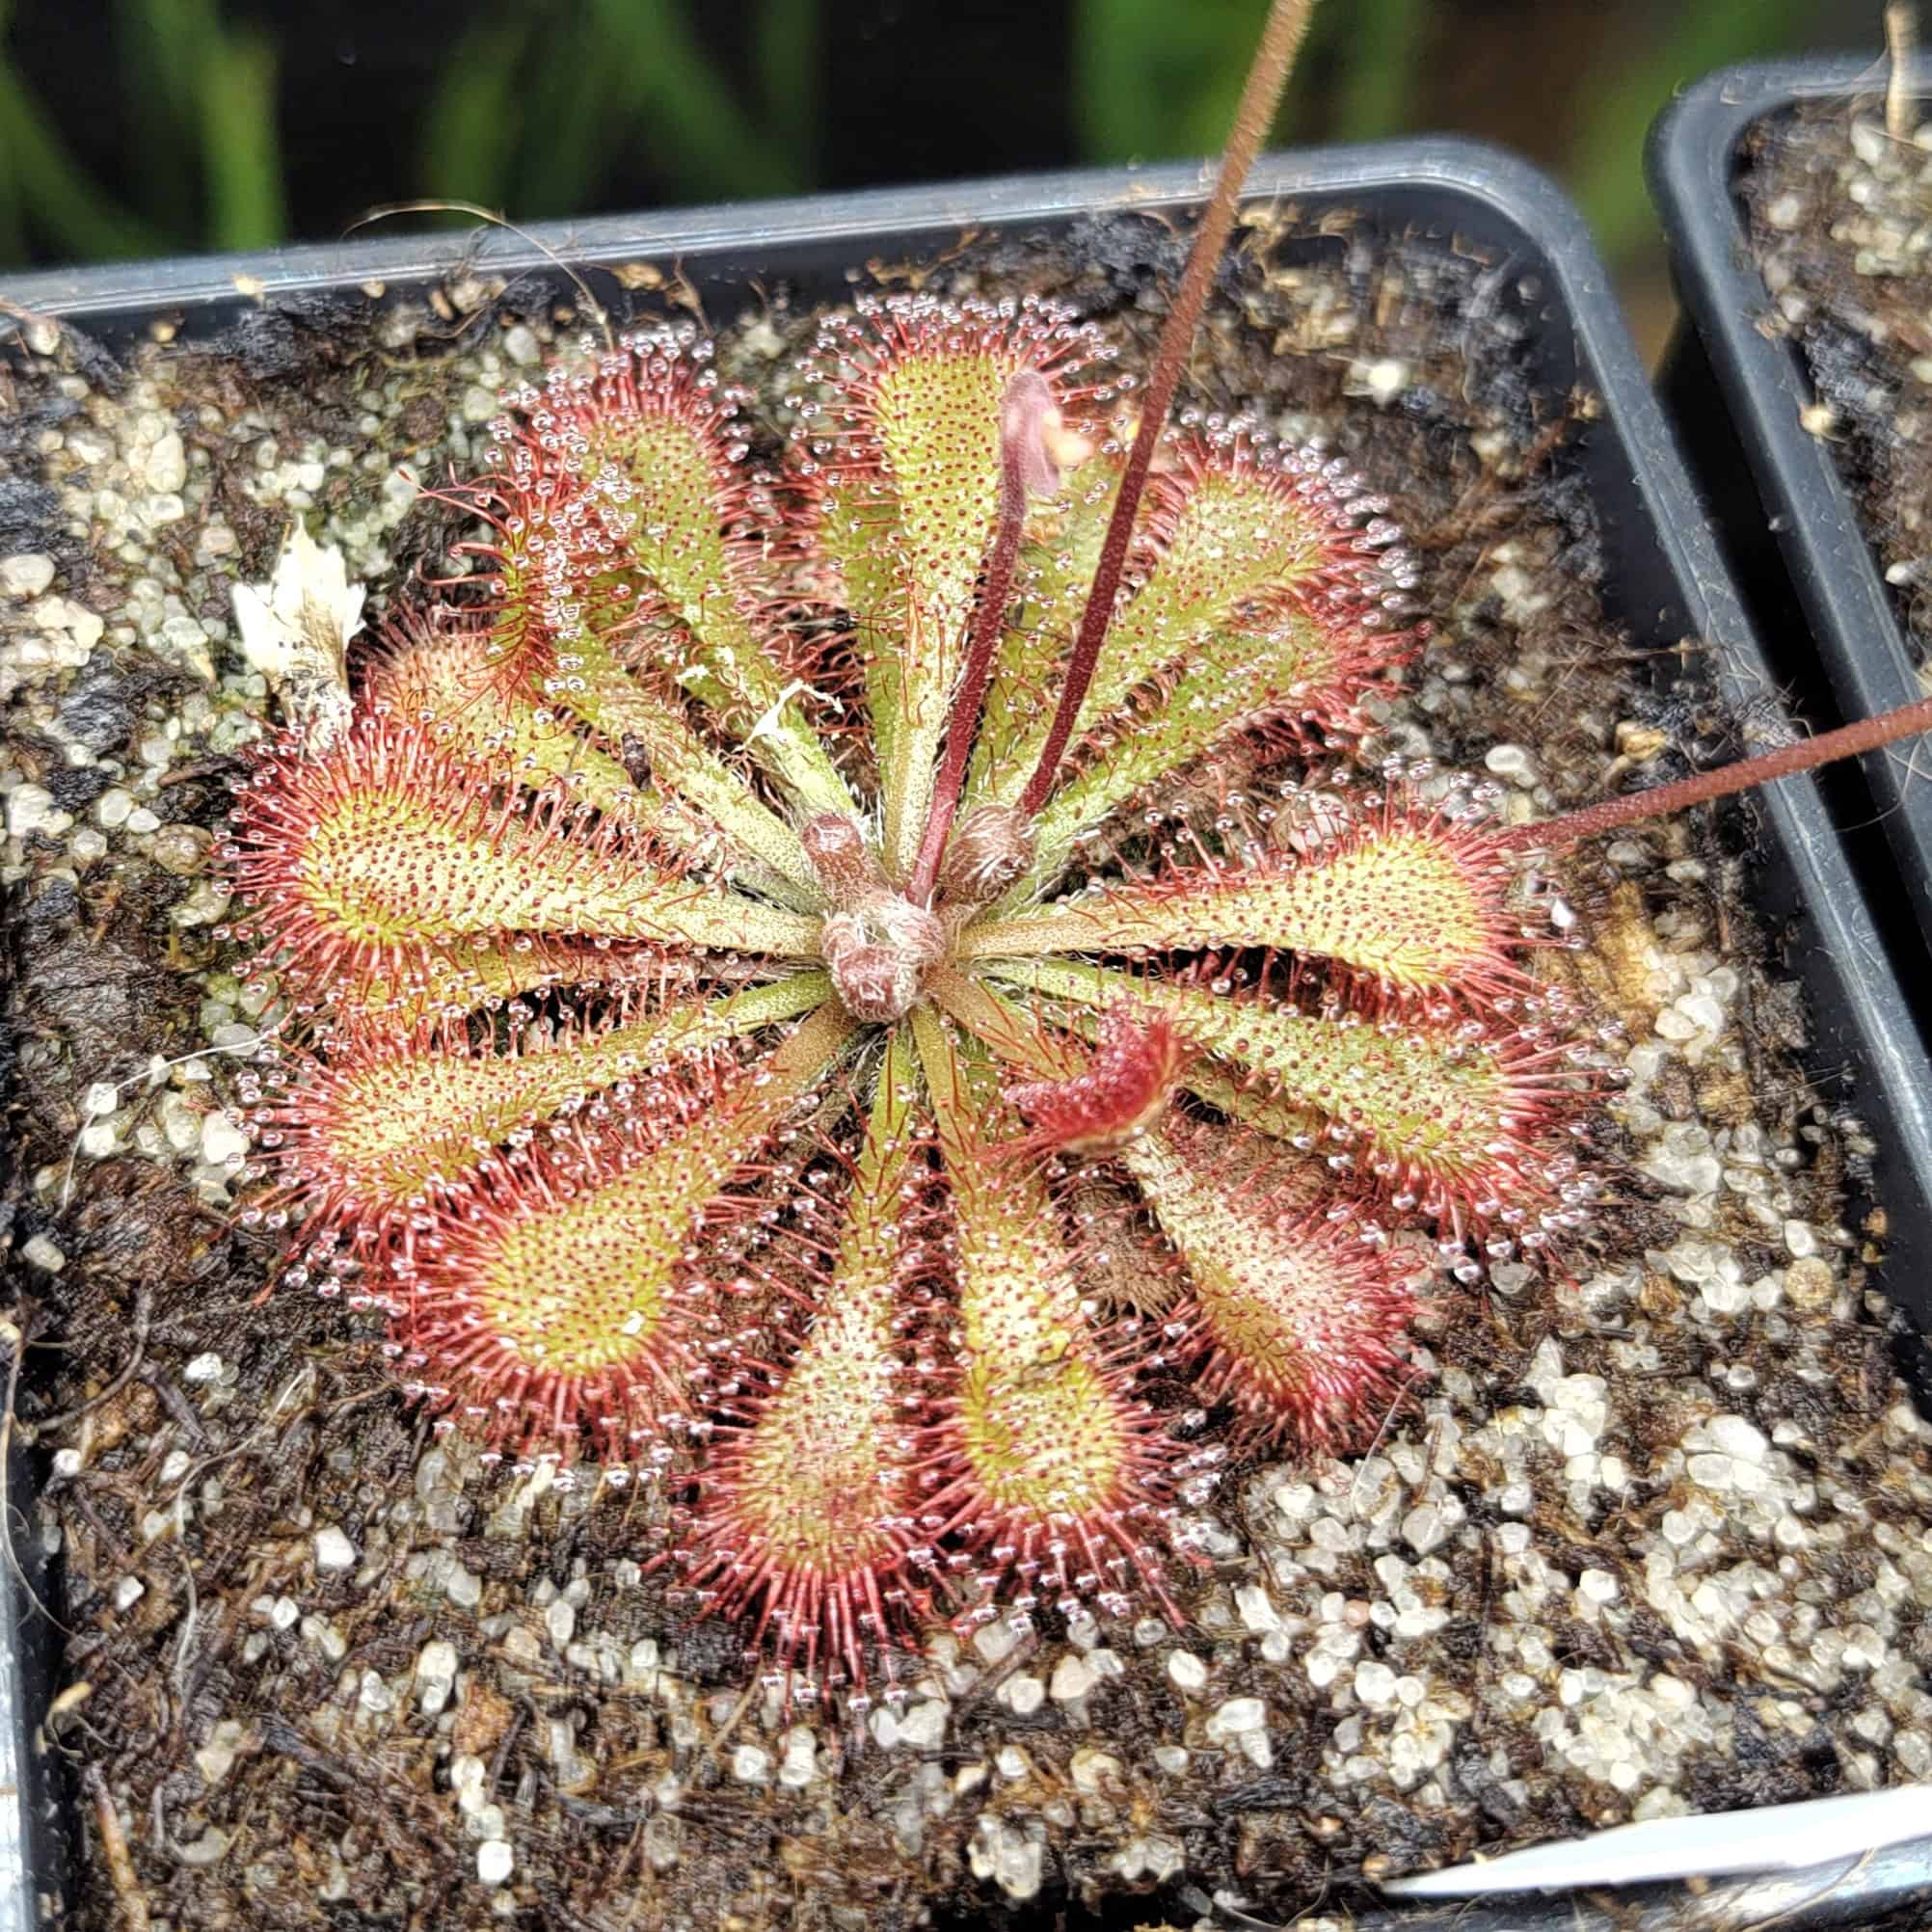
pixel 295 630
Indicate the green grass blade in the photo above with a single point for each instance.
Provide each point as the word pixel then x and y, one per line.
pixel 696 129
pixel 66 207
pixel 784 61
pixel 476 119
pixel 1387 42
pixel 1604 168
pixel 241 149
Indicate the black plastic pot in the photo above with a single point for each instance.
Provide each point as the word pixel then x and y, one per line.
pixel 1663 575
pixel 1796 538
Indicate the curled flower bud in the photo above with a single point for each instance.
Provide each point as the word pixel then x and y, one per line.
pixel 1125 1088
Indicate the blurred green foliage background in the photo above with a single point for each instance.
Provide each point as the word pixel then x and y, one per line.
pixel 144 127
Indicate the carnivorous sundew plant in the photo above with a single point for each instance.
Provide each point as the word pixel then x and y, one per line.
pixel 869 990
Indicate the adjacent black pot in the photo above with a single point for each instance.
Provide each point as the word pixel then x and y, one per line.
pixel 1793 527
pixel 1664 581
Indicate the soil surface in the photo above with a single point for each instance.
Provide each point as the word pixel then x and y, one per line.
pixel 1840 223
pixel 1651 1533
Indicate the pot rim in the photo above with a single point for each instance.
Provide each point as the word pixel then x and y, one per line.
pixel 1692 165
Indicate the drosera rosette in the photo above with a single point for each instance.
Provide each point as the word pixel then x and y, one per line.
pixel 554 1050
pixel 746 923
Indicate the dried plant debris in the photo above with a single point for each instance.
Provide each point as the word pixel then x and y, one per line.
pixel 1841 215
pixel 1647 1536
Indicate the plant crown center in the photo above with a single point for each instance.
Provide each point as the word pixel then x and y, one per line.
pixel 877 944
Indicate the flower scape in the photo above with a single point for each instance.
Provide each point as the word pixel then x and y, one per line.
pixel 771 1028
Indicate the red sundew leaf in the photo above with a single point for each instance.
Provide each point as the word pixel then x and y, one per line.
pixel 1047 1467
pixel 1294 1317
pixel 556 1301
pixel 434 667
pixel 807 1525
pixel 1453 1119
pixel 367 1130
pixel 1298 680
pixel 1237 537
pixel 901 445
pixel 1408 899
pixel 359 860
pixel 636 466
